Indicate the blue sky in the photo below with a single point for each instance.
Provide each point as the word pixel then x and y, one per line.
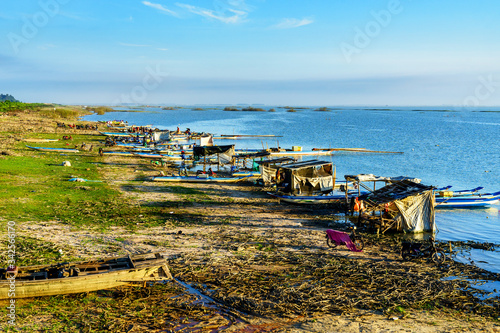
pixel 291 52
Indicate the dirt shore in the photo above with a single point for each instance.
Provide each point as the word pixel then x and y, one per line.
pixel 267 262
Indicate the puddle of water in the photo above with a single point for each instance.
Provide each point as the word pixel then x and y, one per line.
pixel 486 288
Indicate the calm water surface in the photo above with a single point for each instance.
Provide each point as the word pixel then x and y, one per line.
pixel 442 146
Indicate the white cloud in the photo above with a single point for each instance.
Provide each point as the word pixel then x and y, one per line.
pixel 162 49
pixel 239 15
pixel 160 8
pixel 290 23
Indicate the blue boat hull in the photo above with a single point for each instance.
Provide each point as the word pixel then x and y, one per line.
pixel 468 201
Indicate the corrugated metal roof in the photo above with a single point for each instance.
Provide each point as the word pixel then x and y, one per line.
pixel 304 164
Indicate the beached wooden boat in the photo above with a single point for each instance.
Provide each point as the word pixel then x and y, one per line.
pixel 121 134
pixel 203 178
pixel 57 150
pixel 465 199
pixel 249 174
pixel 309 199
pixel 85 276
pixel 157 156
pixel 117 153
pixel 40 140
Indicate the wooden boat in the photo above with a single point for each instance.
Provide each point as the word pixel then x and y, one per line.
pixel 121 134
pixel 203 178
pixel 79 277
pixel 158 150
pixel 300 153
pixel 156 156
pixel 40 140
pixel 466 199
pixel 309 199
pixel 358 150
pixel 58 150
pixel 251 136
pixel 249 174
pixel 117 153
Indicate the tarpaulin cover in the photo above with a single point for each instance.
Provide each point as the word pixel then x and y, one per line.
pixel 324 183
pixel 268 174
pixel 340 238
pixel 416 213
pixel 210 150
pixel 226 157
pixel 207 140
pixel 161 136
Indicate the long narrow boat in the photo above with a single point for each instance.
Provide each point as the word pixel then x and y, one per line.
pixel 84 276
pixel 467 200
pixel 309 200
pixel 358 150
pixel 121 134
pixel 40 140
pixel 251 136
pixel 446 193
pixel 300 153
pixel 249 174
pixel 157 156
pixel 117 153
pixel 58 150
pixel 199 179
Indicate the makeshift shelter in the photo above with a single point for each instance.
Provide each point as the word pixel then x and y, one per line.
pixel 404 206
pixel 224 153
pixel 305 178
pixel 268 169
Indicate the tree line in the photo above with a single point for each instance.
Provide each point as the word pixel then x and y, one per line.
pixel 14 106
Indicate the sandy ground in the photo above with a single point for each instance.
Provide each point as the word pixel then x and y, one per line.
pixel 250 210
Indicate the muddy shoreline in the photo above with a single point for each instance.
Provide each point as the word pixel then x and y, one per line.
pixel 266 264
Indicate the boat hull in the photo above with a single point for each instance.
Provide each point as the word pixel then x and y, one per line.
pixel 77 284
pixel 309 200
pixel 195 179
pixel 466 202
pixel 152 269
pixel 55 150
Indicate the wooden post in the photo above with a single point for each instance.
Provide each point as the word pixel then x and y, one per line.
pixel 346 196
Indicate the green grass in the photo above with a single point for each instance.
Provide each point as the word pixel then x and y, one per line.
pixel 33 251
pixel 59 113
pixel 36 187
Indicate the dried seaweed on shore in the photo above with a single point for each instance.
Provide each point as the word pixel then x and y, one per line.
pixel 277 275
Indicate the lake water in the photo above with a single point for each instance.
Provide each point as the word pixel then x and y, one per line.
pixel 441 145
